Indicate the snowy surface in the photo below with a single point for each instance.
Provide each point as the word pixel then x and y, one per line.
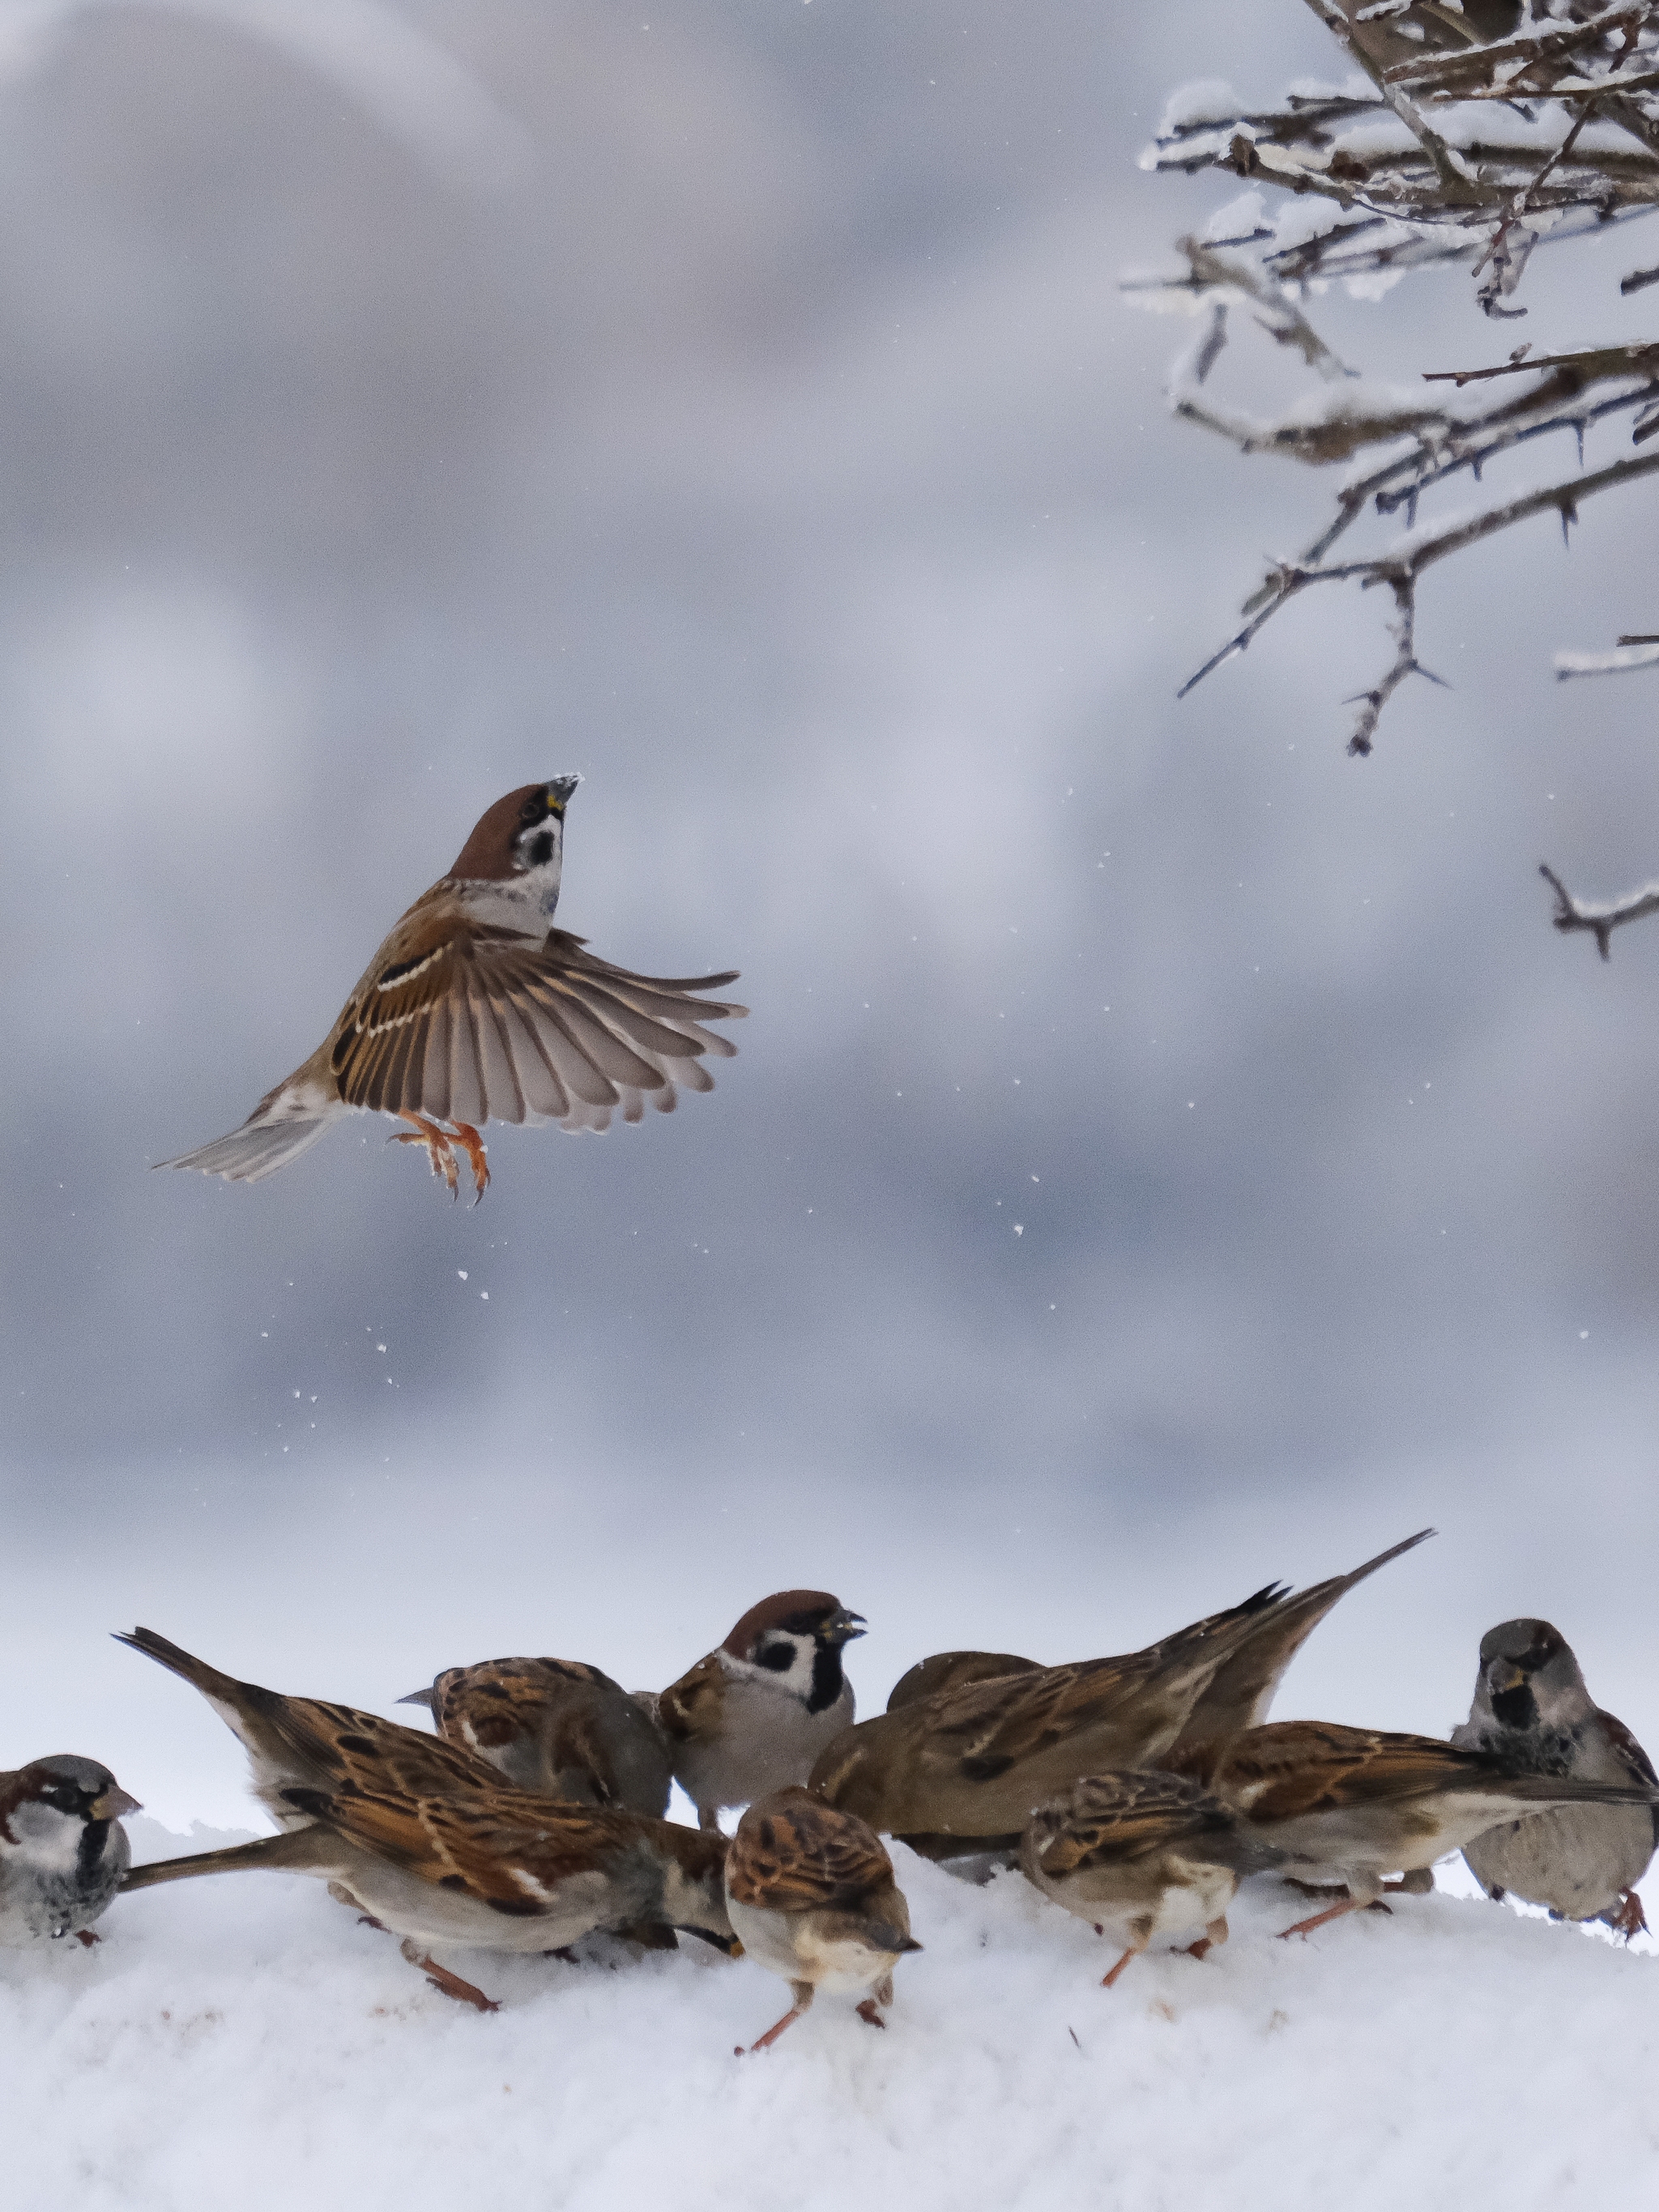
pixel 242 2041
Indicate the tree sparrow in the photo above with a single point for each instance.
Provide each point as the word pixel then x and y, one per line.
pixel 475 1006
pixel 1151 1854
pixel 63 1851
pixel 754 1714
pixel 555 1727
pixel 812 1896
pixel 1356 1804
pixel 1532 1709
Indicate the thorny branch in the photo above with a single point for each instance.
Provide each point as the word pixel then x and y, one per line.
pixel 1600 919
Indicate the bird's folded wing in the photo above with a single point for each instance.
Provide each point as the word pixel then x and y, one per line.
pixel 1129 1815
pixel 802 1856
pixel 501 1847
pixel 1292 1768
pixel 688 1710
pixel 466 1023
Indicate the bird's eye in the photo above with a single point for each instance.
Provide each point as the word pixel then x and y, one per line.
pixel 533 811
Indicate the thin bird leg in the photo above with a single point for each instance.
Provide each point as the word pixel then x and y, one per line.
pixel 803 1993
pixel 1215 1933
pixel 438 1149
pixel 1134 1952
pixel 473 1145
pixel 451 1985
pixel 867 2011
pixel 1335 1912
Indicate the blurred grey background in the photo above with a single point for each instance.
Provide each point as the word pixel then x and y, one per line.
pixel 1165 1153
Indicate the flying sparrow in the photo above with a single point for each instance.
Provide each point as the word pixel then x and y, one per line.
pixel 754 1714
pixel 63 1851
pixel 427 1839
pixel 555 1727
pixel 495 1868
pixel 476 1006
pixel 962 1769
pixel 812 1896
pixel 1356 1804
pixel 1532 1709
pixel 1151 1854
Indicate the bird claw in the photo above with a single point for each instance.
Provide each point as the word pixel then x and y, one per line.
pixel 867 2012
pixel 1626 1919
pixel 440 1143
pixel 88 1936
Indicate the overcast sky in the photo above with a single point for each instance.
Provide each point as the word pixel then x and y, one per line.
pixel 1165 1153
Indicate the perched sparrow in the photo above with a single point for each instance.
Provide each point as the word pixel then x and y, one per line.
pixel 812 1896
pixel 425 1838
pixel 63 1851
pixel 475 1006
pixel 554 1726
pixel 754 1714
pixel 1151 1854
pixel 962 1769
pixel 1532 1709
pixel 1354 1804
pixel 495 1868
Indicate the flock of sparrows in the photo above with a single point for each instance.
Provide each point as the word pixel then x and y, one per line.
pixel 1137 1792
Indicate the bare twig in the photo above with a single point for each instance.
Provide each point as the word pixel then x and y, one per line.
pixel 1601 919
pixel 1451 168
pixel 1405 663
pixel 1478 63
pixel 1594 361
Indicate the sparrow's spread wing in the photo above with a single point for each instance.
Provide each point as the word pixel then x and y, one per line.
pixel 464 1022
pixel 688 1710
pixel 1110 1817
pixel 793 1854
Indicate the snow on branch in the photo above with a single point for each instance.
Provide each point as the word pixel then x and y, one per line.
pixel 1599 918
pixel 1629 653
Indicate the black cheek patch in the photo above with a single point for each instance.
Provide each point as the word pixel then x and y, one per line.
pixel 779 1658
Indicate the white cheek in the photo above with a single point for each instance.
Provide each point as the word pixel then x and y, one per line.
pixel 48 1839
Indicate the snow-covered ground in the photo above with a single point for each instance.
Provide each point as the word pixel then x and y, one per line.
pixel 242 2043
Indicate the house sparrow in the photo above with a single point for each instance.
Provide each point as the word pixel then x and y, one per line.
pixel 755 1714
pixel 1151 1854
pixel 495 1868
pixel 555 1727
pixel 425 1837
pixel 1354 1804
pixel 476 1006
pixel 961 1770
pixel 1532 1709
pixel 63 1851
pixel 812 1896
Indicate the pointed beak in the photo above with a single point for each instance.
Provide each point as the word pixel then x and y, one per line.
pixel 561 790
pixel 1504 1676
pixel 419 1698
pixel 842 1626
pixel 113 1803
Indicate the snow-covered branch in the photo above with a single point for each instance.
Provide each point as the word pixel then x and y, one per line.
pixel 1600 918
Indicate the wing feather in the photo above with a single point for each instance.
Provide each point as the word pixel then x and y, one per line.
pixel 793 1853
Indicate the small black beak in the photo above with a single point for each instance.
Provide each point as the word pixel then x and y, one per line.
pixel 561 790
pixel 419 1698
pixel 840 1627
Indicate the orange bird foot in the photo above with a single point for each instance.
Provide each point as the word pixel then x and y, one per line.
pixel 765 2042
pixel 1626 1919
pixel 473 1145
pixel 1336 1912
pixel 439 1150
pixel 1202 1948
pixel 85 1935
pixel 867 2011
pixel 1109 1980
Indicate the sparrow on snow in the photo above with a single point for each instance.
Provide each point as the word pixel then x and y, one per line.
pixel 1532 1709
pixel 753 1715
pixel 476 1007
pixel 426 1839
pixel 1352 1805
pixel 1148 1853
pixel 812 1898
pixel 63 1849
